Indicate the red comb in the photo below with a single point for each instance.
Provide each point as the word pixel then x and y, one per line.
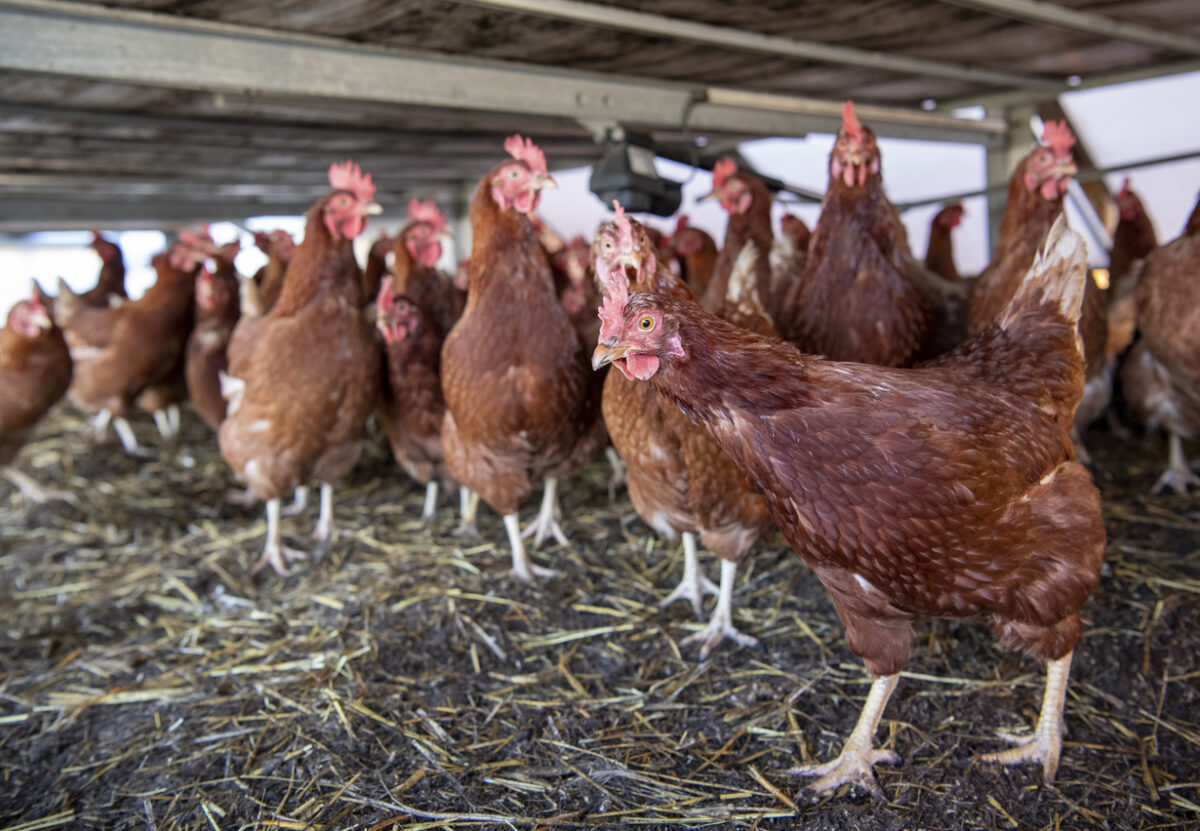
pixel 525 150
pixel 612 310
pixel 97 237
pixel 681 223
pixel 386 300
pixel 850 123
pixel 348 176
pixel 1124 191
pixel 428 212
pixel 1057 136
pixel 624 229
pixel 722 170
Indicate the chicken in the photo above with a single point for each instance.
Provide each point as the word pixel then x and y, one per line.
pixel 948 491
pixel 111 280
pixel 303 379
pixel 411 406
pixel 278 246
pixel 119 351
pixel 695 252
pixel 376 269
pixel 417 250
pixel 35 371
pixel 680 481
pixel 939 254
pixel 748 202
pixel 520 405
pixel 1035 201
pixel 579 293
pixel 788 258
pixel 1161 375
pixel 206 358
pixel 1133 239
pixel 864 296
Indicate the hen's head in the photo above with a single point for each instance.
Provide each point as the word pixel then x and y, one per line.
pixel 730 187
pixel 29 318
pixel 949 216
pixel 795 229
pixel 353 199
pixel 211 294
pixel 622 244
pixel 1128 203
pixel 396 317
pixel 572 260
pixel 108 251
pixel 686 240
pixel 517 185
pixel 855 156
pixel 1049 168
pixel 425 232
pixel 192 249
pixel 277 243
pixel 636 334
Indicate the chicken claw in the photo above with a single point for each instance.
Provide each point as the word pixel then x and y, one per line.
pixel 854 764
pixel 31 491
pixel 275 554
pixel 1178 476
pixel 720 626
pixel 523 567
pixel 1045 745
pixel 693 585
pixel 546 523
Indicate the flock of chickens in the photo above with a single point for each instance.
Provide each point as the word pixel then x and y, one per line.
pixel 909 432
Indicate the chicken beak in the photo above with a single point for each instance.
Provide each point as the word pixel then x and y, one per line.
pixel 371 209
pixel 444 237
pixel 1065 169
pixel 712 194
pixel 545 180
pixel 605 354
pixel 41 320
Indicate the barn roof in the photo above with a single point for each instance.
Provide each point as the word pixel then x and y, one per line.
pixel 176 110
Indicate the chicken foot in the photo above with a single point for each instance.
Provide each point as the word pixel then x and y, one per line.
pixel 31 491
pixel 468 505
pixel 325 532
pixel 523 567
pixel 275 554
pixel 859 755
pixel 720 625
pixel 694 585
pixel 1178 476
pixel 128 439
pixel 1045 745
pixel 546 523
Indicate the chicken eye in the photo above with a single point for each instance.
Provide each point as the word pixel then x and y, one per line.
pixel 608 245
pixel 646 323
pixel 514 174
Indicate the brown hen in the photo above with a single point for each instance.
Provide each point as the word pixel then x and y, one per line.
pixel 521 404
pixel 302 379
pixel 948 491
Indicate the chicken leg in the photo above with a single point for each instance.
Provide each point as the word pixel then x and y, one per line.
pixel 1178 476
pixel 31 491
pixel 325 532
pixel 546 523
pixel 162 423
pixel 694 585
pixel 468 505
pixel 523 567
pixel 299 502
pixel 1045 745
pixel 97 429
pixel 720 625
pixel 429 510
pixel 275 554
pixel 128 439
pixel 854 764
pixel 619 475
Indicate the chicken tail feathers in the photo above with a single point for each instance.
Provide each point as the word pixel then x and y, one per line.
pixel 1057 277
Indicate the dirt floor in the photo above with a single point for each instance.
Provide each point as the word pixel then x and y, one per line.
pixel 406 680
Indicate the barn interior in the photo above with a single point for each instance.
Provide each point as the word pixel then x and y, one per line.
pixel 400 678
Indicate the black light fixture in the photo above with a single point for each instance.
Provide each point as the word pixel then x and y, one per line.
pixel 626 173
